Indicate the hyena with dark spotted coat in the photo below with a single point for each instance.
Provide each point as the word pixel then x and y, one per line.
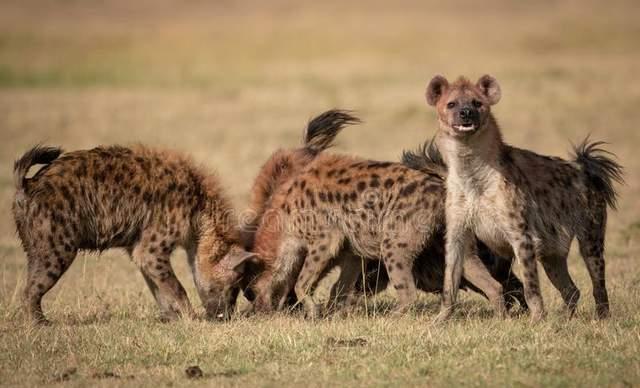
pixel 146 201
pixel 352 207
pixel 428 268
pixel 516 201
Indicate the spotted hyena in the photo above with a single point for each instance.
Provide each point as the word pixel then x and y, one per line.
pixel 428 268
pixel 146 201
pixel 516 201
pixel 349 207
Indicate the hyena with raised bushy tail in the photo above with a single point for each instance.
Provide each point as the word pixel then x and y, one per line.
pixel 283 164
pixel 517 202
pixel 428 268
pixel 146 201
pixel 349 207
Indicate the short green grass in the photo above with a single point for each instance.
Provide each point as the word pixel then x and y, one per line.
pixel 229 83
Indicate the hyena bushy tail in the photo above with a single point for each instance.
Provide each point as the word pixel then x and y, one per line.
pixel 318 136
pixel 283 164
pixel 323 129
pixel 601 169
pixel 426 158
pixel 36 155
pixel 601 172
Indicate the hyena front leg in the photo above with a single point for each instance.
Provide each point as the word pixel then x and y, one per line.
pixel 477 274
pixel 156 269
pixel 292 254
pixel 458 245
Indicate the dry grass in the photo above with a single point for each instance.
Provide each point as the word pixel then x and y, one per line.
pixel 229 83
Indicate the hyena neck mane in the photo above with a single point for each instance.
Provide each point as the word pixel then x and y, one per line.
pixel 215 226
pixel 474 157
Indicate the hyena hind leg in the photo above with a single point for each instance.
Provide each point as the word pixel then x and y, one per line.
pixel 591 243
pixel 398 260
pixel 526 256
pixel 44 269
pixel 558 272
pixel 165 287
pixel 320 254
pixel 476 273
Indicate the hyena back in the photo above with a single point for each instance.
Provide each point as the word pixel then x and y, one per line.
pixel 518 202
pixel 146 201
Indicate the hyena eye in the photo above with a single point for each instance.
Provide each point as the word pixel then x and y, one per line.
pixel 451 105
pixel 476 104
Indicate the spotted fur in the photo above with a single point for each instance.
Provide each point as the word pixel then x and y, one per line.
pixel 285 163
pixel 345 207
pixel 147 201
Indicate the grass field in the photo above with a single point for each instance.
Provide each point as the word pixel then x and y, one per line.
pixel 229 83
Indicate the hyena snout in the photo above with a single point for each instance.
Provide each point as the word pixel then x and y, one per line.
pixel 468 115
pixel 219 305
pixel 220 285
pixel 467 118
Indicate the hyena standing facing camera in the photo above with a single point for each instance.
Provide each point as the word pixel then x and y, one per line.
pixel 518 202
pixel 146 201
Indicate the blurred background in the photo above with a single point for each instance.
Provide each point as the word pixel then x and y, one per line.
pixel 229 82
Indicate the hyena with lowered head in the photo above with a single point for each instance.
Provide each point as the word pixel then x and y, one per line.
pixel 341 205
pixel 518 202
pixel 146 201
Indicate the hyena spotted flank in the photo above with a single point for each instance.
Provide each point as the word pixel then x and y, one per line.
pixel 146 201
pixel 518 202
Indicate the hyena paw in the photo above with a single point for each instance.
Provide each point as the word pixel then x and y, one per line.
pixel 443 316
pixel 313 311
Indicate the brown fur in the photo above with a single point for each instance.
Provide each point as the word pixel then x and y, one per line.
pixel 283 164
pixel 516 201
pixel 146 201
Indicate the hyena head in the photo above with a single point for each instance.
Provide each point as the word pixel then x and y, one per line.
pixel 219 284
pixel 463 108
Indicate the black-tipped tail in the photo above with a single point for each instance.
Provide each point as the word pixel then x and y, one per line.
pixel 426 158
pixel 323 129
pixel 37 155
pixel 600 168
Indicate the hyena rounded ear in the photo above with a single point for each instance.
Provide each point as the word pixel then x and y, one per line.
pixel 490 88
pixel 241 259
pixel 436 89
